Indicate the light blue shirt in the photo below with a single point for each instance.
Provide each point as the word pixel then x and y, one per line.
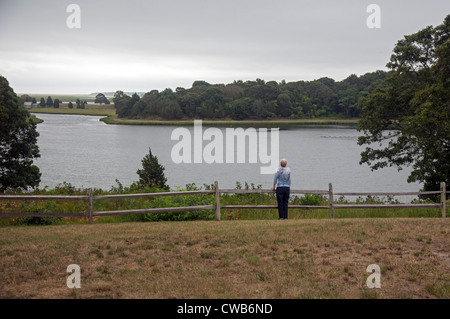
pixel 282 177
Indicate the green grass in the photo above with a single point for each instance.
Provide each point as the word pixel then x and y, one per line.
pixel 35 119
pixel 87 111
pixel 254 214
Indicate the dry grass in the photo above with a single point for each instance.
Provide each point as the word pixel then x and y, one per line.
pixel 229 259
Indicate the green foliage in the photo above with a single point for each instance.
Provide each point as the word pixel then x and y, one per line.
pixel 255 100
pixel 33 220
pixel 18 142
pixel 101 98
pixel 152 172
pixel 45 207
pixel 408 120
pixel 49 101
pixel 182 201
pixel 309 200
pixel 73 206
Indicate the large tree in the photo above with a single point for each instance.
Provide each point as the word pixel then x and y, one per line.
pixel 18 138
pixel 407 123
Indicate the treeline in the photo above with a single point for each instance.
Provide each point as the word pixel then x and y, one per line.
pixel 100 98
pixel 56 102
pixel 257 100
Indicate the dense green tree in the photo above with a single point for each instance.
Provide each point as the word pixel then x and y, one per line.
pixel 212 103
pixel 189 103
pixel 200 83
pixel 49 101
pixel 138 108
pixel 122 104
pixel 70 105
pixel 284 105
pixel 241 108
pixel 101 99
pixel 118 94
pixel 170 110
pixel 258 110
pixel 42 102
pixel 233 91
pixel 56 104
pixel 408 121
pixel 18 142
pixel 152 172
pixel 254 99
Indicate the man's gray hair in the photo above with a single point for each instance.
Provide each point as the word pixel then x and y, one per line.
pixel 283 162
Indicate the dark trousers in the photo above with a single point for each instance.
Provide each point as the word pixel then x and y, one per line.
pixel 283 200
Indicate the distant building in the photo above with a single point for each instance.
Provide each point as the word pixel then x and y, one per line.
pixel 30 105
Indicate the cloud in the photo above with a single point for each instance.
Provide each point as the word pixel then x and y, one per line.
pixel 142 45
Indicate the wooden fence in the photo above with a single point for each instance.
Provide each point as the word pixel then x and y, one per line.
pixel 217 206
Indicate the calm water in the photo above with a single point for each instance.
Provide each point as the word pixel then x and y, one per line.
pixel 85 152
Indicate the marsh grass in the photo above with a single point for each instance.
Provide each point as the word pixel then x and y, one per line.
pixel 93 109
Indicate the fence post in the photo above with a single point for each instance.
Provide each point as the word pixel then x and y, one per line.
pixel 217 200
pixel 443 198
pixel 330 194
pixel 91 206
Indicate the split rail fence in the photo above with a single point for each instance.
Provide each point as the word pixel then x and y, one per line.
pixel 217 206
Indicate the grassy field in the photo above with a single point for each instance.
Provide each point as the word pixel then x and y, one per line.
pixel 63 97
pixel 314 258
pixel 93 109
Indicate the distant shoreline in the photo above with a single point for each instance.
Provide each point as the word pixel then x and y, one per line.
pixel 110 117
pixel 324 121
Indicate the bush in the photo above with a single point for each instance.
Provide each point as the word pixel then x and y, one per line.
pixel 37 220
pixel 309 200
pixel 182 201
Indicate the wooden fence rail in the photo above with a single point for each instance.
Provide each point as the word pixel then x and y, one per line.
pixel 217 206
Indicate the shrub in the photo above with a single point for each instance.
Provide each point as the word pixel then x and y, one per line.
pixel 182 201
pixel 309 200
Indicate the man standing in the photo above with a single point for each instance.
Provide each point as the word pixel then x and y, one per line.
pixel 282 182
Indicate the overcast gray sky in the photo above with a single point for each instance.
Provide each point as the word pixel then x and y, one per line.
pixel 143 45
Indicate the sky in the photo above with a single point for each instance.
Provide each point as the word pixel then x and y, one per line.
pixel 138 46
